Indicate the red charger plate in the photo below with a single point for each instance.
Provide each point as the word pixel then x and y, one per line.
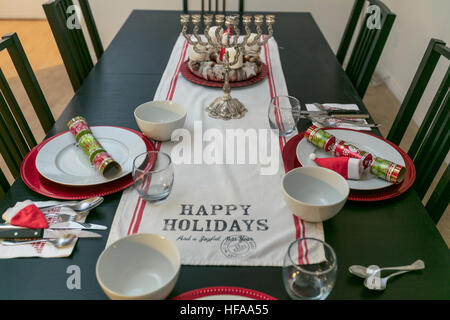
pixel 38 183
pixel 291 162
pixel 187 73
pixel 214 291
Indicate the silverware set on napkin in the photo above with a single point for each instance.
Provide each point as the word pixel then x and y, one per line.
pixel 64 228
pixel 332 117
pixel 372 274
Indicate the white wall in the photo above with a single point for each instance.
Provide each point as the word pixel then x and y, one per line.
pixel 22 9
pixel 417 22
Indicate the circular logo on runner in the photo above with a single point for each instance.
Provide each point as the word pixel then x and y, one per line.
pixel 237 246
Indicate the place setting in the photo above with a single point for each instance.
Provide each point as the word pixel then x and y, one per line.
pixel 376 169
pixel 83 163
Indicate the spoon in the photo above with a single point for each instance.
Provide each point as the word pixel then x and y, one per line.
pixel 60 242
pixel 81 206
pixel 364 272
pixel 374 282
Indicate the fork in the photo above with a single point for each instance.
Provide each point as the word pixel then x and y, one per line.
pixel 65 217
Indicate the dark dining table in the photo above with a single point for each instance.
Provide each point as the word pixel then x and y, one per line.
pixel 393 232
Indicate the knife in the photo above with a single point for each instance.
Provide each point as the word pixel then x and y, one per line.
pixel 12 232
pixel 77 225
pixel 335 114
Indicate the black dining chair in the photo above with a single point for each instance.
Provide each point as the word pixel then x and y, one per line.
pixel 369 44
pixel 217 6
pixel 16 137
pixel 432 142
pixel 71 42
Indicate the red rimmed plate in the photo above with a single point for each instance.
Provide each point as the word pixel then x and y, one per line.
pixel 187 73
pixel 291 162
pixel 39 184
pixel 223 293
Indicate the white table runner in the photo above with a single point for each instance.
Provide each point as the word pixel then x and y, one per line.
pixel 221 214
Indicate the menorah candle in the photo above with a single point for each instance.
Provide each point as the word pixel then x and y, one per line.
pixel 254 48
pixel 196 56
pixel 387 170
pixel 320 138
pixel 97 155
pixel 212 34
pixel 345 149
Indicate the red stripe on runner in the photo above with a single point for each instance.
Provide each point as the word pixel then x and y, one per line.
pixel 177 72
pixel 175 75
pixel 140 203
pixel 306 243
pixel 134 215
pixel 144 203
pixel 299 224
pixel 272 93
pixel 269 64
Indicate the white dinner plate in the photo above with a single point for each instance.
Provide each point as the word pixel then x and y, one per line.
pixel 375 146
pixel 62 161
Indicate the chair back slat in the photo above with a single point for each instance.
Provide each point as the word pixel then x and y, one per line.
pixel 349 30
pixel 415 92
pixel 434 148
pixel 438 201
pixel 9 151
pixel 432 141
pixel 16 137
pixel 427 122
pixel 29 81
pixel 12 129
pixel 91 27
pixel 4 185
pixel 362 48
pixel 369 43
pixel 29 140
pixel 70 41
pixel 206 6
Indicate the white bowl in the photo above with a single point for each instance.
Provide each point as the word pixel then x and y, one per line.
pixel 314 194
pixel 139 267
pixel 158 119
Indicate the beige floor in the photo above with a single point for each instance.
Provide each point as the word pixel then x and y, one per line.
pixel 45 60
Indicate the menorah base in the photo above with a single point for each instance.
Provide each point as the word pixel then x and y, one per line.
pixel 226 108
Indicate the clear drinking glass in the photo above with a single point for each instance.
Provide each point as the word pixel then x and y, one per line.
pixel 284 113
pixel 153 175
pixel 305 279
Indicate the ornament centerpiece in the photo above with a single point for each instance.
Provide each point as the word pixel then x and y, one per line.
pixel 227 52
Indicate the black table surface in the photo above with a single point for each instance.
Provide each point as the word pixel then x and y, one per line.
pixel 386 233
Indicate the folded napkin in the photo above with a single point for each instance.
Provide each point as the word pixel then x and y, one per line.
pixel 28 215
pixel 25 214
pixel 332 106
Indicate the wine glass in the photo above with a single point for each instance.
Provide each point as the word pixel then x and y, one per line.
pixel 153 175
pixel 284 113
pixel 309 269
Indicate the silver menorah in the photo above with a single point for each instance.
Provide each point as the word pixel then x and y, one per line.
pixel 226 107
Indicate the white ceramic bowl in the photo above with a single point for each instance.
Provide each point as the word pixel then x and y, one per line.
pixel 314 193
pixel 158 119
pixel 139 267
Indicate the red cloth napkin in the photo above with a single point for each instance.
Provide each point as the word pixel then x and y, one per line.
pixel 26 214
